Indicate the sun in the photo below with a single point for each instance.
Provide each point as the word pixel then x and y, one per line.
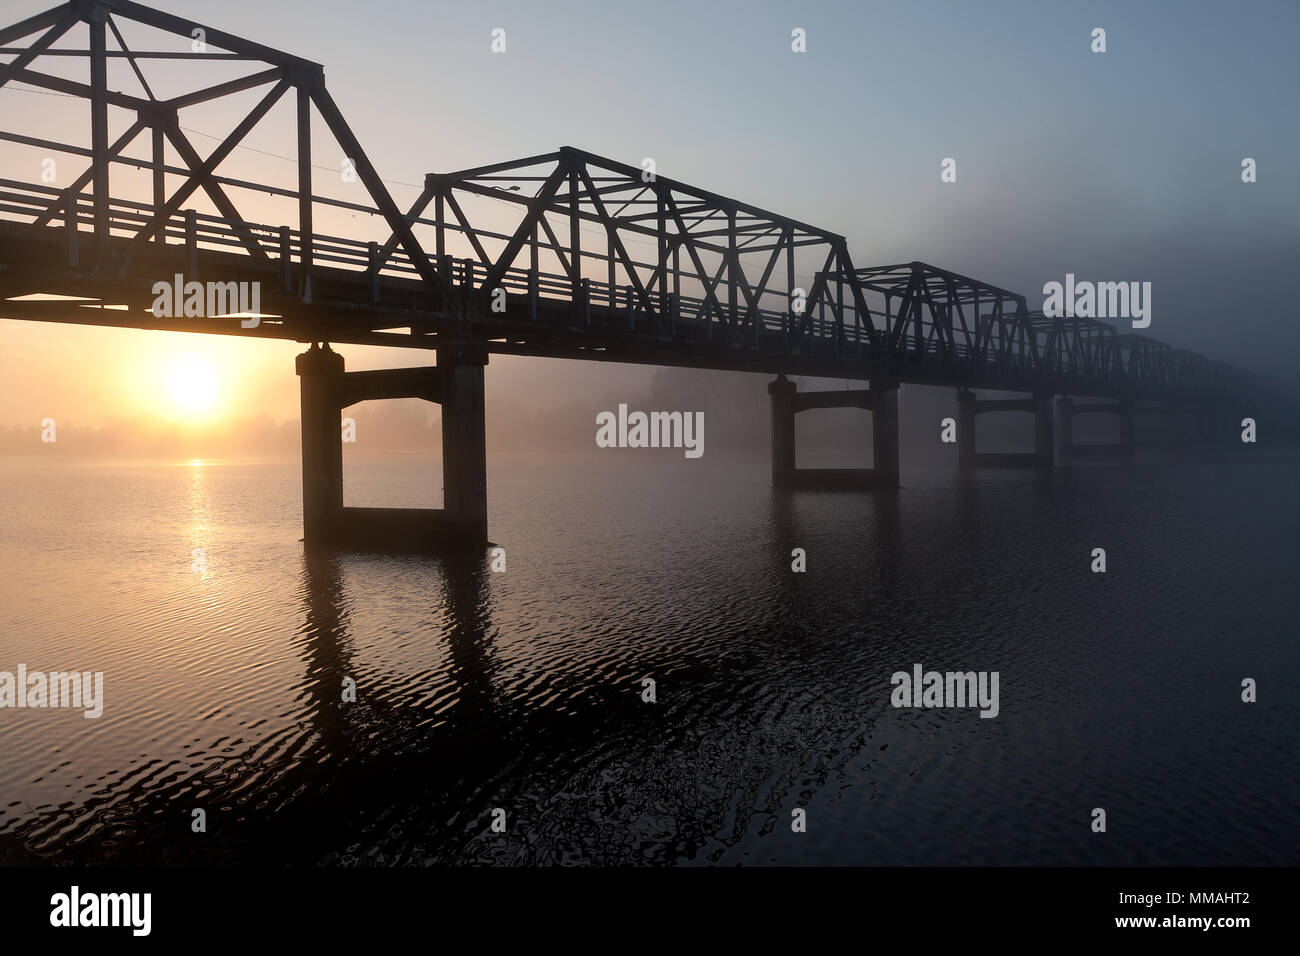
pixel 193 385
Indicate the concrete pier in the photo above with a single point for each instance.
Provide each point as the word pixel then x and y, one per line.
pixel 464 440
pixel 884 426
pixel 457 384
pixel 1039 405
pixel 782 391
pixel 1065 428
pixel 1070 451
pixel 881 399
pixel 321 374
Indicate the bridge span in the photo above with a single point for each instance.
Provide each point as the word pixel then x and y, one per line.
pixel 566 255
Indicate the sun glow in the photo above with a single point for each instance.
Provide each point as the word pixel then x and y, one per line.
pixel 193 386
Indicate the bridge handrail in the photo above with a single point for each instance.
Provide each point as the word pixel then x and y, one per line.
pixel 1009 342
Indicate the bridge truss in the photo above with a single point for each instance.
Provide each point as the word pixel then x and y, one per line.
pixel 565 254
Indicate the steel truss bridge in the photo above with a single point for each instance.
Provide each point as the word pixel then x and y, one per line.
pixel 577 256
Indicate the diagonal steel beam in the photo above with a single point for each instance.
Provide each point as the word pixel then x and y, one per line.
pixel 415 212
pixel 555 246
pixel 379 193
pixel 66 23
pixel 614 236
pixel 130 57
pixel 40 21
pixel 467 229
pixel 537 208
pixel 210 186
pixel 80 182
pixel 73 88
pixel 685 239
pixel 197 176
pixel 224 89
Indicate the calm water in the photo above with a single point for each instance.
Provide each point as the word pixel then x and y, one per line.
pixel 521 690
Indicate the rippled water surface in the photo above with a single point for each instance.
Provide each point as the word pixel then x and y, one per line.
pixel 522 690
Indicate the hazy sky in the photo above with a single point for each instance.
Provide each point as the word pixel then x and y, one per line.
pixel 1116 166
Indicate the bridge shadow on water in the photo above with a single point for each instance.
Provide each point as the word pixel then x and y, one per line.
pixel 386 779
pixel 606 782
pixel 410 773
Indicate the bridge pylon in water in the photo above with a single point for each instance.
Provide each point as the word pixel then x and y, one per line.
pixel 455 383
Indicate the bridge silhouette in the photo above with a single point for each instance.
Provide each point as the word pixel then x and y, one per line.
pixel 577 257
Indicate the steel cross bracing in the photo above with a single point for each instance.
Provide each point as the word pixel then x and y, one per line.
pixel 565 254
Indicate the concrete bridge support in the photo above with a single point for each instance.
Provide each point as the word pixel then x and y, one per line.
pixel 1040 405
pixel 464 440
pixel 457 384
pixel 1123 449
pixel 1174 426
pixel 881 399
pixel 1209 425
pixel 782 392
pixel 884 431
pixel 321 373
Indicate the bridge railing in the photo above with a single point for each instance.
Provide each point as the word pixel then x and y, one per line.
pixel 922 316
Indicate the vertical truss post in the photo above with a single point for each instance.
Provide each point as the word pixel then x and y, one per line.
pixel 841 332
pixel 70 226
pixel 733 268
pixel 98 22
pixel 446 270
pixel 612 288
pixel 440 247
pixel 581 299
pixel 373 269
pixel 304 189
pixel 159 177
pixel 677 268
pixel 532 276
pixel 191 243
pixel 286 260
pixel 788 317
pixel 663 258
